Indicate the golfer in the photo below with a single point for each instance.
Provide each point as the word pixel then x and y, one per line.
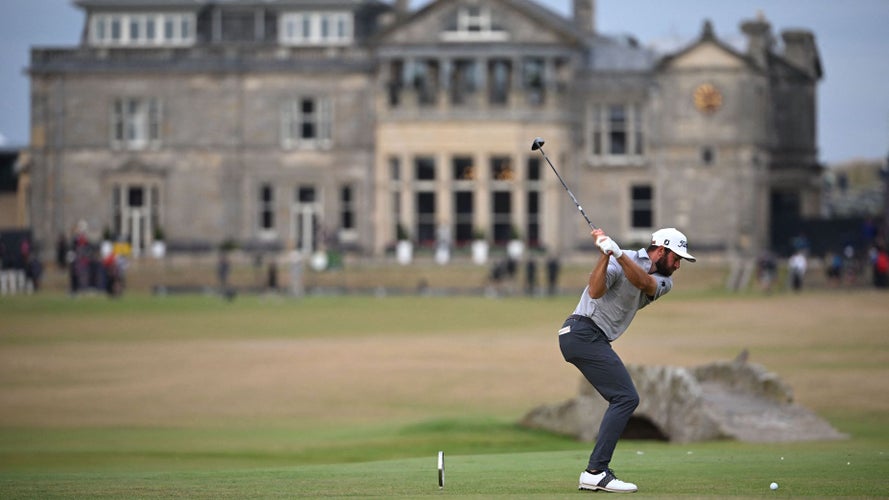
pixel 621 283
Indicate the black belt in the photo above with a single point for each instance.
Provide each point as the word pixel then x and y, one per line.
pixel 585 319
pixel 590 323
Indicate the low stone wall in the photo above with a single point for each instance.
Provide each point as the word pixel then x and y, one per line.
pixel 721 400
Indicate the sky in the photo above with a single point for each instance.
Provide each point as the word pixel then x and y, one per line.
pixel 853 97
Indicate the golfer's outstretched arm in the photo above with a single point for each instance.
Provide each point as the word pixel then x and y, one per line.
pixel 638 276
pixel 597 283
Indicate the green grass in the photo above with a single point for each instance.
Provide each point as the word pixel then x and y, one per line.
pixel 204 448
pixel 709 470
pixel 57 317
pixel 388 455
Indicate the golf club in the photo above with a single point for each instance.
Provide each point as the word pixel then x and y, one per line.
pixel 538 145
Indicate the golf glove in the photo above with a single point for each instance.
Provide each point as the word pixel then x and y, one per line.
pixel 608 246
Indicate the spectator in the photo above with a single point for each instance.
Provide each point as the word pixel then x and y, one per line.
pixel 834 268
pixel 81 260
pixel 222 271
pixel 34 270
pixel 62 252
pixel 850 265
pixel 797 266
pixel 767 268
pixel 552 274
pixel 113 278
pixel 273 276
pixel 881 266
pixel 530 276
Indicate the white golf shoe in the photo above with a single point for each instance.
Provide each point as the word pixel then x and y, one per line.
pixel 604 481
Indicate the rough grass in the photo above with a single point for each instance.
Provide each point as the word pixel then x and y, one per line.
pixel 197 397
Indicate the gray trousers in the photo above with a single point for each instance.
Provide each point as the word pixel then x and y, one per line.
pixel 586 347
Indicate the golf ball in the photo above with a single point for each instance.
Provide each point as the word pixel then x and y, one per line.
pixel 773 486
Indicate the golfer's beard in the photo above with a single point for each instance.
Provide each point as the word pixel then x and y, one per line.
pixel 662 268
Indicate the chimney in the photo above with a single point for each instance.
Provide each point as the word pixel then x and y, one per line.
pixel 585 16
pixel 759 39
pixel 401 8
pixel 801 51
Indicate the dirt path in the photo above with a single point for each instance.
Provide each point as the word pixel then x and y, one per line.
pixel 833 350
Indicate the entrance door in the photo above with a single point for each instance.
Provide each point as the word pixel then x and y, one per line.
pixel 305 216
pixel 135 214
pixel 137 209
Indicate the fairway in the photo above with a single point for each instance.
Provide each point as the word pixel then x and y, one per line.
pixel 338 396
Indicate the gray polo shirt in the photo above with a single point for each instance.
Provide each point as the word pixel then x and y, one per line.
pixel 614 311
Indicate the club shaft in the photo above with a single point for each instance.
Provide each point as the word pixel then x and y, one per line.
pixel 573 198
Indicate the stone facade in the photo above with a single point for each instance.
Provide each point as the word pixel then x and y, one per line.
pixel 297 124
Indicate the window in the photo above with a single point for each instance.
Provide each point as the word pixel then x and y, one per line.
pixel 169 29
pixel 266 208
pixel 396 215
pixel 184 28
pixel 305 194
pixel 116 33
pixel 424 168
pixel 117 209
pixel 463 213
pixel 394 168
pixel 533 218
pixel 642 206
pixel 499 81
pixel 463 175
pixel 316 28
pixel 100 30
pixel 155 207
pixel 533 169
pixel 463 169
pixel 136 123
pixel 347 208
pixel 615 131
pixel 501 209
pixel 533 80
pixel 464 80
pixel 534 202
pixel 473 22
pixel 426 217
pixel 501 169
pixel 707 155
pixel 307 123
pixel 426 81
pixel 141 29
pixel 473 18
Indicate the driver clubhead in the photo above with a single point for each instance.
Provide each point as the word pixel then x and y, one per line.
pixel 537 144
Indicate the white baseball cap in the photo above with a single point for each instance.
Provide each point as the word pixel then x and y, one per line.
pixel 673 239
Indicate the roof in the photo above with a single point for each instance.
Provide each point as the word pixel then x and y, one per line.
pixel 619 53
pixel 547 18
pixel 707 36
pixel 86 4
pixel 125 4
